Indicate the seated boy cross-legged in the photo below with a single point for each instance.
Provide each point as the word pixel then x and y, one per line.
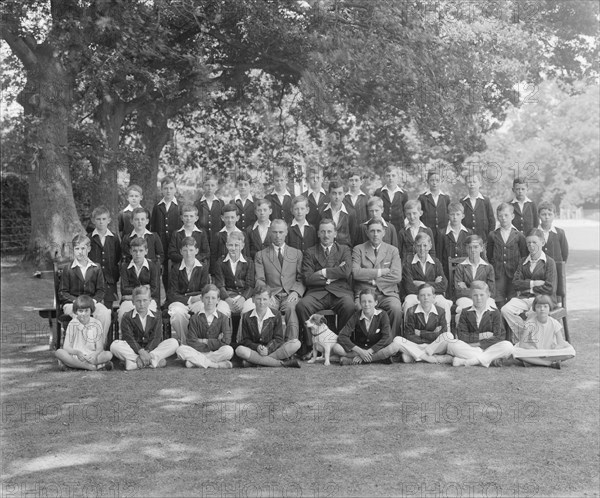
pixel 83 347
pixel 142 345
pixel 426 335
pixel 208 335
pixel 367 336
pixel 261 336
pixel 480 333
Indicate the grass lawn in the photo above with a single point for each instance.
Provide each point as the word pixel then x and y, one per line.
pixel 376 430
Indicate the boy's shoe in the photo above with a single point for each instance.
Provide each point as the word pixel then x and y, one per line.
pixel 223 364
pixel 458 362
pixel 189 364
pixel 162 363
pixel 62 367
pixel 499 362
pixel 556 364
pixel 290 363
pixel 345 361
pixel 107 366
pixel 247 364
pixel 307 356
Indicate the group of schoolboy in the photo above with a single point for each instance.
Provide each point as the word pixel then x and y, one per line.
pixel 379 262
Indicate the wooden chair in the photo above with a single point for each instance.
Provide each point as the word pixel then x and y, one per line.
pixel 331 318
pixel 560 312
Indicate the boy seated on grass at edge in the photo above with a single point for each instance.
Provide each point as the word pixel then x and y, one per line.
pixel 480 333
pixel 83 347
pixel 261 339
pixel 426 334
pixel 543 343
pixel 142 345
pixel 367 336
pixel 208 335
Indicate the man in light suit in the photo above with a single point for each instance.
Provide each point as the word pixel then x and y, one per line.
pixel 326 268
pixel 279 266
pixel 376 265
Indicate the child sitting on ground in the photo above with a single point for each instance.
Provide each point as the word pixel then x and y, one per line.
pixel 83 347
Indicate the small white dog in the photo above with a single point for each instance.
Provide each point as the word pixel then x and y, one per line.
pixel 323 337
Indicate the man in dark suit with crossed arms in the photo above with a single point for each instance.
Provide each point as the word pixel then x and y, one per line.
pixel 326 268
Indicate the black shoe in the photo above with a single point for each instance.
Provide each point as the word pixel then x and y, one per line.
pixel 556 364
pixel 107 366
pixel 497 363
pixel 247 364
pixel 306 356
pixel 290 363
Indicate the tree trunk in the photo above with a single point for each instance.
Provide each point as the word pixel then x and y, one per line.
pixel 46 100
pixel 152 123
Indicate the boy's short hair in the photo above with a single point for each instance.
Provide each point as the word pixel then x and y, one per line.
pixel 536 232
pixel 432 172
pixel 189 241
pixel 262 288
pixel 542 299
pixel 208 178
pixel 423 236
pixel 335 183
pixel 546 205
pixel 139 210
pixel 519 180
pixel 455 207
pixel 239 236
pixel 135 188
pixel 189 208
pixel 327 221
pixel 83 302
pixel 355 172
pixel 505 206
pixel 298 199
pixel 313 170
pixel 99 211
pixel 139 242
pixel 375 200
pixel 375 221
pixel 167 180
pixel 81 238
pixel 474 238
pixel 424 286
pixel 367 292
pixel 140 289
pixel 473 174
pixel 413 204
pixel 230 208
pixel 279 173
pixel 479 285
pixel 390 168
pixel 263 202
pixel 208 288
pixel 244 177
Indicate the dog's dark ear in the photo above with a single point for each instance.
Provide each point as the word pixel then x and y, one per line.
pixel 323 320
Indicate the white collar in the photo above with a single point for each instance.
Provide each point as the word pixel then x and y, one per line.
pixel 134 313
pixel 396 189
pixel 527 199
pixel 342 209
pixel 407 224
pixel 381 220
pixel 238 198
pixel 268 314
pixel 479 196
pixel 416 259
pixel 428 192
pixel 241 258
pixel 214 314
pixel 468 262
pixel 195 229
pixel 280 195
pixel 375 313
pixel 542 257
pixel 449 229
pixel 144 264
pixel 205 199
pixel 162 201
pixel 511 228
pixel 349 194
pixel 146 232
pixel 129 208
pixel 487 308
pixel 235 229
pixel 295 223
pixel 76 263
pixel 197 264
pixel 419 309
pixel 310 191
pixel 552 229
pixel 108 233
pixel 276 248
pixel 256 225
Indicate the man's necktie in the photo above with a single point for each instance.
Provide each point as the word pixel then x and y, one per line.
pixel 280 256
pixel 375 250
pixel 327 252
